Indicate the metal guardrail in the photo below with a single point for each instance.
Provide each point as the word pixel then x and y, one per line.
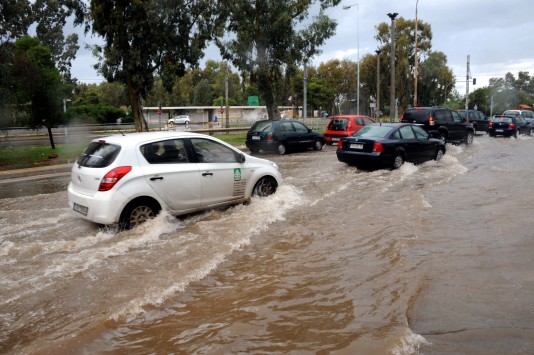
pixel 20 133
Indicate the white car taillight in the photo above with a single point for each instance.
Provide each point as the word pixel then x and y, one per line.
pixel 112 177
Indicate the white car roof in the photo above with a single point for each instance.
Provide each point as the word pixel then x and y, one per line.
pixel 141 137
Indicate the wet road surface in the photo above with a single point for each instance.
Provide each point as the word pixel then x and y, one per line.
pixel 434 258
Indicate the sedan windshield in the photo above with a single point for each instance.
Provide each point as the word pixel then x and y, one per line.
pixel 373 131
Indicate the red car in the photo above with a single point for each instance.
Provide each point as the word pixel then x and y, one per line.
pixel 344 126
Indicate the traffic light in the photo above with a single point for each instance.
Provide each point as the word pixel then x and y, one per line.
pixel 474 81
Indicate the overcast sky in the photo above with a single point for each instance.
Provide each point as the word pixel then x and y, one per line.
pixel 497 35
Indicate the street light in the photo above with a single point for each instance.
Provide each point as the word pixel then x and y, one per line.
pixel 65 126
pixel 346 7
pixel 393 101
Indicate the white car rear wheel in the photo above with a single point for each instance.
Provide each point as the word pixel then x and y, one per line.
pixel 138 212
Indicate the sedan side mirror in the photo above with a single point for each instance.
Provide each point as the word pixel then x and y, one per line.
pixel 241 158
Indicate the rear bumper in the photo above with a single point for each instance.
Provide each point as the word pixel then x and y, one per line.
pixel 102 208
pixel 501 131
pixel 261 145
pixel 333 138
pixel 365 159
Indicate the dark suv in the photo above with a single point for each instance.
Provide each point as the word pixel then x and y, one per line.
pixel 441 123
pixel 478 119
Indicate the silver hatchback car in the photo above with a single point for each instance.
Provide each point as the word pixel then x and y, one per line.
pixel 182 119
pixel 127 179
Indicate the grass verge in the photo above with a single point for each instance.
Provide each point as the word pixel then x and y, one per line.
pixel 17 157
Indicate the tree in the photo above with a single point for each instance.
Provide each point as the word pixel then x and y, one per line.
pixel 203 94
pixel 437 80
pixel 319 94
pixel 480 97
pixel 51 18
pixel 267 41
pixel 339 75
pixel 143 38
pixel 405 56
pixel 38 82
pixel 102 103
pixel 368 83
pixel 15 20
pixel 508 92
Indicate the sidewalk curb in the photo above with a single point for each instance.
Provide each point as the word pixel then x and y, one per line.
pixel 16 175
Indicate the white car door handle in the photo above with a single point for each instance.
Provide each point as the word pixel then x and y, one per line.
pixel 206 174
pixel 156 178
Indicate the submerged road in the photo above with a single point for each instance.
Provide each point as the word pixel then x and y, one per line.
pixel 434 258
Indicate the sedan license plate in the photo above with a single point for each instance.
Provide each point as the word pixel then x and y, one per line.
pixel 81 209
pixel 335 139
pixel 256 138
pixel 499 130
pixel 356 146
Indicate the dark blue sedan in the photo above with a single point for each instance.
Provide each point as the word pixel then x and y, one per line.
pixel 509 125
pixel 281 136
pixel 389 145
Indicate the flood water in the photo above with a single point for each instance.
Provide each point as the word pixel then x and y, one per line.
pixel 427 259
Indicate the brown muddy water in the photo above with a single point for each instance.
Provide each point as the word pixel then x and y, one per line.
pixel 428 259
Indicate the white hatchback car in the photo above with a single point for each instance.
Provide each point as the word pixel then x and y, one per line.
pixel 182 119
pixel 128 179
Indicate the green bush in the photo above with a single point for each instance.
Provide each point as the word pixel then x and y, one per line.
pixel 99 113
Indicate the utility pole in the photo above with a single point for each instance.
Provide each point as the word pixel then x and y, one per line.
pixel 415 72
pixel 468 75
pixel 358 52
pixel 392 101
pixel 377 83
pixel 226 97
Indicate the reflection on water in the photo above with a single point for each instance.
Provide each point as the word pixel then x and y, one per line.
pixel 425 258
pixel 34 187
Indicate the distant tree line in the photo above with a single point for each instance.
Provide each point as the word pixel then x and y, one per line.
pixel 152 49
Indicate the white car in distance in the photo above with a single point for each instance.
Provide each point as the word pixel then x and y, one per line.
pixel 127 179
pixel 181 119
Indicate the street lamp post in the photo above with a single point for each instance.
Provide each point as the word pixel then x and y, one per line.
pixel 415 73
pixel 305 95
pixel 358 54
pixel 65 126
pixel 392 102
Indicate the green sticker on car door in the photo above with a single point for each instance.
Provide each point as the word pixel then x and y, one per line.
pixel 237 174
